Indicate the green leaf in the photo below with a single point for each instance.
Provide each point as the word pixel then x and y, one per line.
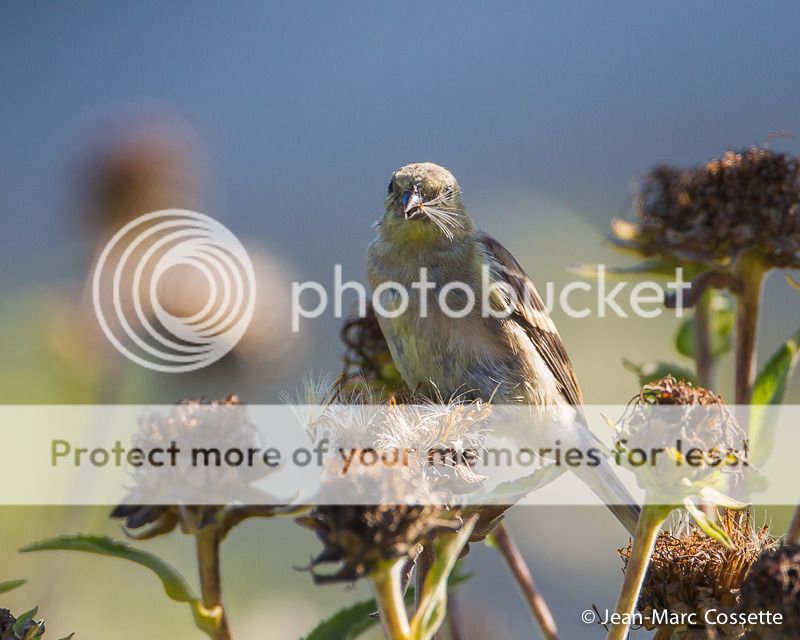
pixel 712 496
pixel 347 623
pixel 709 527
pixel 656 267
pixel 769 389
pixel 650 371
pixel 173 582
pixel 35 631
pixel 352 621
pixel 10 585
pixel 23 620
pixel 433 602
pixel 722 318
pixel 771 381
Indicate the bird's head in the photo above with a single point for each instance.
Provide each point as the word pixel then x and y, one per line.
pixel 424 203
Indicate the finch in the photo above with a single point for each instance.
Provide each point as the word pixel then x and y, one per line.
pixel 511 356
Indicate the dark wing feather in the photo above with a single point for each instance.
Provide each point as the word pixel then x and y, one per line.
pixel 531 314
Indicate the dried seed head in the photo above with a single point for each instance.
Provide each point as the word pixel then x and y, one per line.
pixel 676 417
pixel 367 361
pixel 696 415
pixel 439 437
pixel 743 202
pixel 374 513
pixel 692 573
pixel 225 421
pixel 363 538
pixel 773 584
pixel 190 423
pixel 670 391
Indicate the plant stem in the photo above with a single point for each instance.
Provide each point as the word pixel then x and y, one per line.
pixel 208 543
pixel 704 361
pixel 748 300
pixel 421 568
pixel 793 535
pixel 644 540
pixel 386 585
pixel 425 561
pixel 513 557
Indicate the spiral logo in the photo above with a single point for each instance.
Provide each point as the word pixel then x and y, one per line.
pixel 174 290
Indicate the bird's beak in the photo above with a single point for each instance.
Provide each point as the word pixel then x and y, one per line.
pixel 412 201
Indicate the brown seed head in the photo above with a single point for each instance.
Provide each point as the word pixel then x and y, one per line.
pixel 221 422
pixel 773 584
pixel 694 573
pixel 743 202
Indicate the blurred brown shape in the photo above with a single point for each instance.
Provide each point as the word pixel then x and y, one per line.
pixel 773 584
pixel 138 168
pixel 155 164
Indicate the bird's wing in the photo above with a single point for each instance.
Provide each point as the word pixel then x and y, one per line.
pixel 531 314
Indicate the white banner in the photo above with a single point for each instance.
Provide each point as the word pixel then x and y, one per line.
pixel 367 454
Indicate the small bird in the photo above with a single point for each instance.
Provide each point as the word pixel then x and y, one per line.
pixel 512 356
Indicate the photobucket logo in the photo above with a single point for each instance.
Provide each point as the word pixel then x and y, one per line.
pixel 493 298
pixel 174 290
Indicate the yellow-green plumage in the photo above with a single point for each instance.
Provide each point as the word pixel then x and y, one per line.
pixel 519 358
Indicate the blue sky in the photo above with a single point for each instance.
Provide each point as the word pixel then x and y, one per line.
pixel 303 109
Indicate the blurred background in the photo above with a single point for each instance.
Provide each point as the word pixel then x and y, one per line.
pixel 284 122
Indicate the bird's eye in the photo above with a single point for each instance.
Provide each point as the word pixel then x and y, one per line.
pixel 448 189
pixel 391 187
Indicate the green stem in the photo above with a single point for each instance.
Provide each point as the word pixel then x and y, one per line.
pixel 422 566
pixel 644 540
pixel 793 535
pixel 208 543
pixel 516 562
pixel 424 563
pixel 748 300
pixel 386 585
pixel 703 358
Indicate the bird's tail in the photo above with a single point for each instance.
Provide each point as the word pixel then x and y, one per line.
pixel 608 487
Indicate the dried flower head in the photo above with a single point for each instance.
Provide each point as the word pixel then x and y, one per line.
pixel 367 361
pixel 435 438
pixel 692 573
pixel 191 422
pixel 702 444
pixel 743 202
pixel 773 584
pixel 365 538
pixel 670 391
